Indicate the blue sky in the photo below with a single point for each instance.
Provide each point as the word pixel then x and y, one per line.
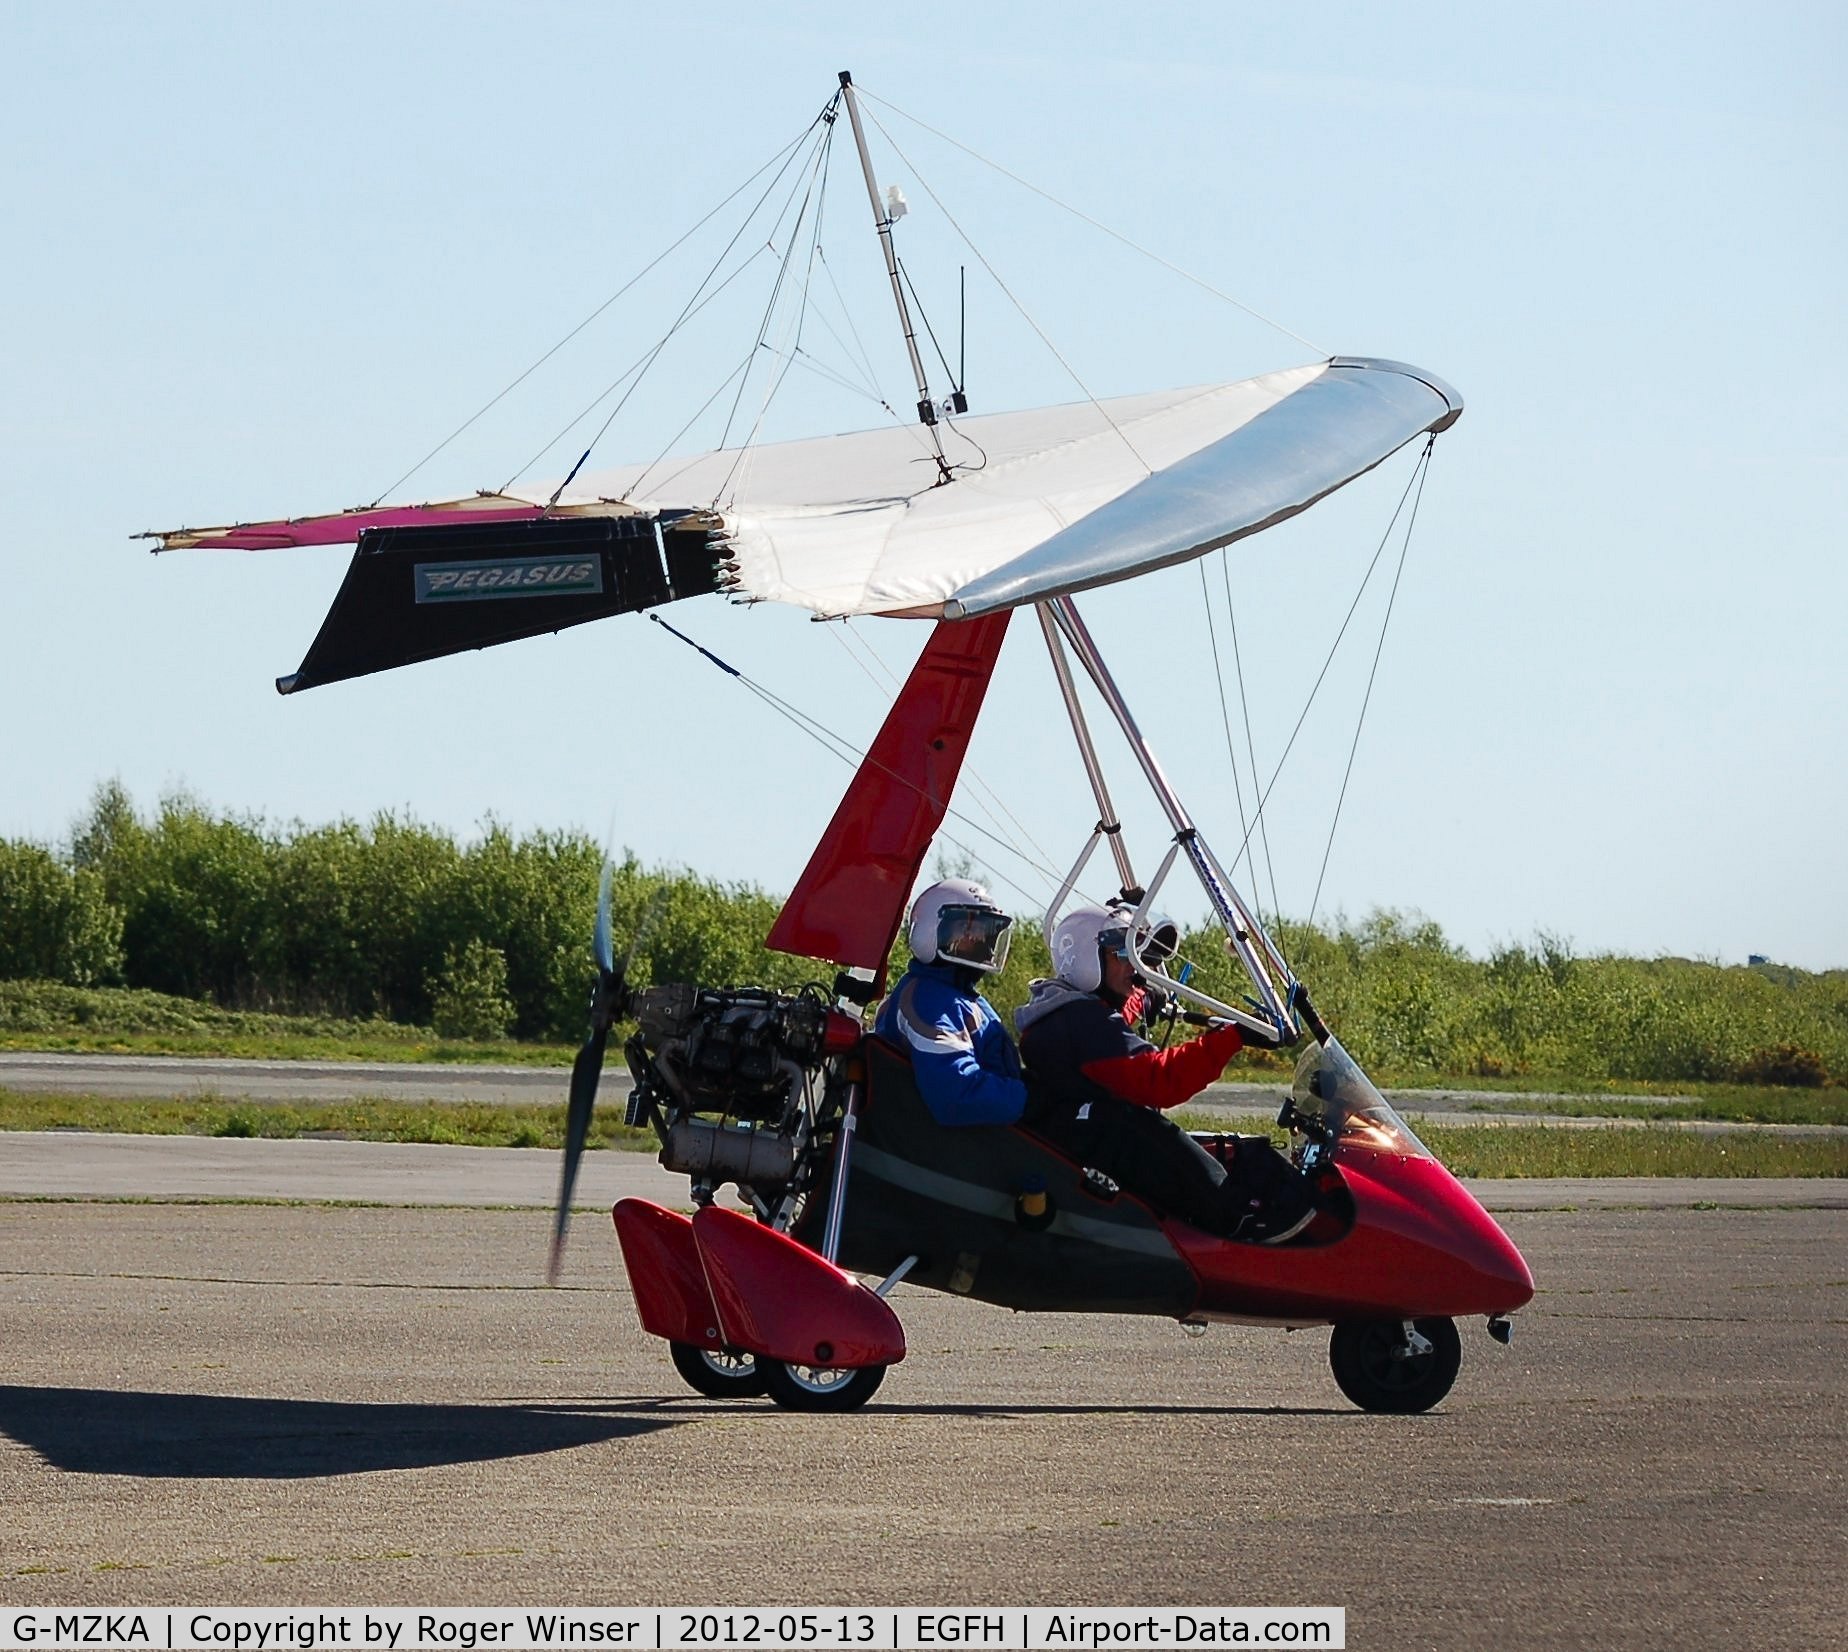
pixel 264 258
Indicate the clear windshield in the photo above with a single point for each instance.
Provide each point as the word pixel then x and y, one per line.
pixel 1329 1086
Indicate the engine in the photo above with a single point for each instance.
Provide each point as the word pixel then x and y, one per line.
pixel 733 1051
pixel 748 1055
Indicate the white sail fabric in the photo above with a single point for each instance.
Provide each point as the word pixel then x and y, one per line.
pixel 1045 502
pixel 1053 500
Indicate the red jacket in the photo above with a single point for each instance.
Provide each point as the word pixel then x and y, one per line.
pixel 1077 1047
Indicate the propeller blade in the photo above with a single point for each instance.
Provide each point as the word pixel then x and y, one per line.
pixel 600 946
pixel 585 1071
pixel 608 1002
pixel 649 913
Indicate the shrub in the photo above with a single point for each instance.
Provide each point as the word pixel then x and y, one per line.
pixel 382 918
pixel 1785 1064
pixel 56 921
pixel 469 998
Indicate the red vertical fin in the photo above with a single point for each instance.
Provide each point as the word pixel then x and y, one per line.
pixel 847 905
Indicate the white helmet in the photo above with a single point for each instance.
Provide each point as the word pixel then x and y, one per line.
pixel 1087 931
pixel 1075 945
pixel 957 922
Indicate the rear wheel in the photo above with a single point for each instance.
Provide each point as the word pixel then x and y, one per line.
pixel 1377 1372
pixel 718 1373
pixel 821 1387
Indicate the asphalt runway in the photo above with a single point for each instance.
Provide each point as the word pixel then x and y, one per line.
pixel 323 1404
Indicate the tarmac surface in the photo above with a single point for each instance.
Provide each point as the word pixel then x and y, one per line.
pixel 317 1403
pixel 59 1164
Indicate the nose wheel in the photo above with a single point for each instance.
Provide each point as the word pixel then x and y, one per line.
pixel 821 1387
pixel 1395 1365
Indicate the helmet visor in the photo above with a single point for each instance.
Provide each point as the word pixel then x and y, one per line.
pixel 1155 943
pixel 976 936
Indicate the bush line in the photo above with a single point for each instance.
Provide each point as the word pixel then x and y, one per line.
pixel 386 930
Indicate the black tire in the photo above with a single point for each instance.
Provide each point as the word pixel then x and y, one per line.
pixel 719 1374
pixel 1360 1354
pixel 821 1388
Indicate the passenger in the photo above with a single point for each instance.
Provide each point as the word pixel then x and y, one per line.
pixel 961 1056
pixel 1101 1090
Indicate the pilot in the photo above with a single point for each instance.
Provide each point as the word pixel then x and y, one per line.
pixel 961 1056
pixel 1102 1089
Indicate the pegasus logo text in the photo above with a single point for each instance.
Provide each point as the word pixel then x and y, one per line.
pixel 524 576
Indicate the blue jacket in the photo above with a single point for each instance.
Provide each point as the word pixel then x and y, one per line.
pixel 965 1064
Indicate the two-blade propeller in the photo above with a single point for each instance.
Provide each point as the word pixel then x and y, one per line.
pixel 609 1001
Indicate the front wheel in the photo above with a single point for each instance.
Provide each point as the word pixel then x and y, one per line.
pixel 719 1373
pixel 1377 1372
pixel 821 1387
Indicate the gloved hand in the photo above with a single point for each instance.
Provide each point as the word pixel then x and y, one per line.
pixel 1272 1038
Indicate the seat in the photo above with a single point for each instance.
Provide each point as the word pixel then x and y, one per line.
pixel 952 1197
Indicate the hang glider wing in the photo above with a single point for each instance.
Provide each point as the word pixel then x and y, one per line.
pixel 1045 502
pixel 1334 428
pixel 419 593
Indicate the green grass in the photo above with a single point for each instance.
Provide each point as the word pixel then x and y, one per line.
pixel 421 1045
pixel 1543 1093
pixel 1724 1103
pixel 451 1124
pixel 1468 1149
pixel 39 1015
pixel 1625 1150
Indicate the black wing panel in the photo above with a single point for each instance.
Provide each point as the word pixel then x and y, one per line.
pixel 420 593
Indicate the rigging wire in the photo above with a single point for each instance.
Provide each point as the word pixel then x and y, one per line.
pixel 1365 579
pixel 1251 748
pixel 818 173
pixel 866 361
pixel 904 421
pixel 718 390
pixel 841 634
pixel 654 354
pixel 1008 292
pixel 741 372
pixel 839 746
pixel 508 389
pixel 868 383
pixel 812 173
pixel 798 357
pixel 924 314
pixel 628 372
pixel 1115 235
pixel 1225 714
pixel 849 639
pixel 1424 469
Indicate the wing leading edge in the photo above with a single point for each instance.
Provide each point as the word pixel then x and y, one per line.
pixel 1352 416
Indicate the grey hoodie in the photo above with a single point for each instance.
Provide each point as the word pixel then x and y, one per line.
pixel 1043 997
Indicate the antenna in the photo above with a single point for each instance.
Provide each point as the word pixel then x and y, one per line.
pixel 882 216
pixel 962 337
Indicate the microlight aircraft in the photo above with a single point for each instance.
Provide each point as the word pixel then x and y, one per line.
pixel 788 1096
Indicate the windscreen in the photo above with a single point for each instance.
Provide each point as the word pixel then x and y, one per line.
pixel 1329 1085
